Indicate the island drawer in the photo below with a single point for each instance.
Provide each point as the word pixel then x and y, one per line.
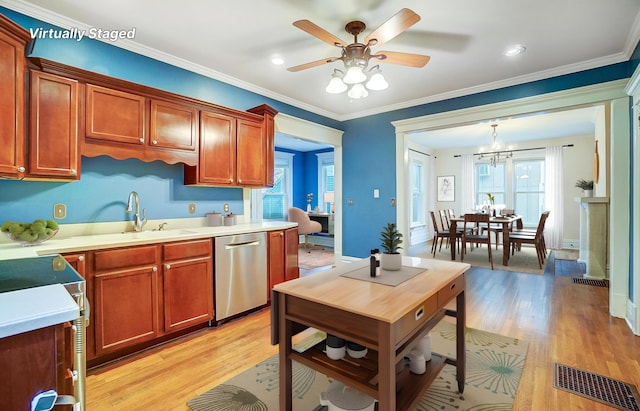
pixel 450 290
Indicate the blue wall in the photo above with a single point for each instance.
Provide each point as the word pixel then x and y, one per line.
pixel 305 176
pixel 368 145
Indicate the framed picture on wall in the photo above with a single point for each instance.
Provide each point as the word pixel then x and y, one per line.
pixel 446 188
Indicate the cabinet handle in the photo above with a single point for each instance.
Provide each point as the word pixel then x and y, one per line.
pixel 21 169
pixel 154 269
pixel 141 140
pixel 167 266
pixel 281 234
pixel 231 180
pixel 239 181
pixel 154 142
pixel 81 258
pixel 73 172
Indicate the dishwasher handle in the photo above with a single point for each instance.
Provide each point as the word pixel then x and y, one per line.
pixel 243 244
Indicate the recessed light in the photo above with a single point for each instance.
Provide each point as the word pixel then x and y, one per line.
pixel 278 61
pixel 515 50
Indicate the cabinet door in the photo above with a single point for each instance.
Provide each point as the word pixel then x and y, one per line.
pixel 173 126
pixel 275 259
pixel 291 269
pixel 217 151
pixel 188 293
pixel 32 362
pixel 126 308
pixel 251 154
pixel 12 99
pixel 115 116
pixel 53 131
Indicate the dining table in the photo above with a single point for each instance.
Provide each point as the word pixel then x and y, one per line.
pixel 506 221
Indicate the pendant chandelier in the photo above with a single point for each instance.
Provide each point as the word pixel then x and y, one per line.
pixel 495 156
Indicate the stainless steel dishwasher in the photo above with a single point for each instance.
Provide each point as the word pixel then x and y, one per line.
pixel 240 273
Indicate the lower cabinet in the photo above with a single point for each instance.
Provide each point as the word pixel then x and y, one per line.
pixel 33 362
pixel 126 297
pixel 282 257
pixel 187 284
pixel 142 293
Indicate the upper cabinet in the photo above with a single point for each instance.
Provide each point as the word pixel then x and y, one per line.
pixel 13 40
pixel 53 127
pixel 114 116
pixel 235 150
pixel 173 126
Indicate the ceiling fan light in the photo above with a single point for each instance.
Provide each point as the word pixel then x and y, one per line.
pixel 336 85
pixel 358 91
pixel 354 75
pixel 377 82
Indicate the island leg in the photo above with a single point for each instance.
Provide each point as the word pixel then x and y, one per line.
pixel 460 341
pixel 286 372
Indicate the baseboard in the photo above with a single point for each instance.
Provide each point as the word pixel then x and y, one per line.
pixel 633 317
pixel 571 244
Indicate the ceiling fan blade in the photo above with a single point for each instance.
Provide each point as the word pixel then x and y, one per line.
pixel 313 64
pixel 319 32
pixel 398 23
pixel 404 59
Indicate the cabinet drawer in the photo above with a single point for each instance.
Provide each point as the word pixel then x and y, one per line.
pixel 450 290
pixel 415 318
pixel 120 258
pixel 187 249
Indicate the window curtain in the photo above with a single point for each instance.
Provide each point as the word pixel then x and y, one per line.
pixel 554 196
pixel 467 184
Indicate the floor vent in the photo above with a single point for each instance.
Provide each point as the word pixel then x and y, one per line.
pixel 599 388
pixel 587 281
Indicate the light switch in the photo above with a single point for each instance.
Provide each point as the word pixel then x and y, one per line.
pixel 59 211
pixel 376 193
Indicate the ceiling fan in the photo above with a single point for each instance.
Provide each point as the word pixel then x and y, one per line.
pixel 358 54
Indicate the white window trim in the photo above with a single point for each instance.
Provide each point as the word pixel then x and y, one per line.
pixel 256 194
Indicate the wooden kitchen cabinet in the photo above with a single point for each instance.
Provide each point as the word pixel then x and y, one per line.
pixel 282 257
pixel 251 153
pixel 114 116
pixel 268 114
pixel 126 288
pixel 217 159
pixel 234 150
pixel 13 40
pixel 33 362
pixel 53 127
pixel 187 283
pixel 173 126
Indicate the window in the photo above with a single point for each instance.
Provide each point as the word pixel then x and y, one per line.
pixel 528 190
pixel 491 180
pixel 272 203
pixel 325 179
pixel 417 194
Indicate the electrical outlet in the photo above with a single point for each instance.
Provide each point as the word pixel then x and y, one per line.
pixel 59 211
pixel 393 202
pixel 192 208
pixel 226 207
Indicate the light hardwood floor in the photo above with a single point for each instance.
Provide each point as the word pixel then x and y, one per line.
pixel 563 322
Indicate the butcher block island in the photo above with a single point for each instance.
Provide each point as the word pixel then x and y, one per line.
pixel 387 317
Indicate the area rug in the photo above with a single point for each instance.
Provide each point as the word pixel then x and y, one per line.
pixel 523 261
pixel 494 366
pixel 315 258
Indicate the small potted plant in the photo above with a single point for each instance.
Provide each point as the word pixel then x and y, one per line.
pixel 391 238
pixel 586 186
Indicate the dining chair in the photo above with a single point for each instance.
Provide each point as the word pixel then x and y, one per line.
pixel 532 231
pixel 517 238
pixel 306 226
pixel 439 233
pixel 481 235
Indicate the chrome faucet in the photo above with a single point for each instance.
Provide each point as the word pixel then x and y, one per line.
pixel 138 222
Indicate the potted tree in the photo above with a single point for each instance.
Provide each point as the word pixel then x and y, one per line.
pixel 391 238
pixel 586 186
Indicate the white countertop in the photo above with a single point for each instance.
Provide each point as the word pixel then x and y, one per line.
pixel 33 308
pixel 59 244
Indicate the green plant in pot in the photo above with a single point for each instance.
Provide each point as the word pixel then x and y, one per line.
pixel 586 186
pixel 391 238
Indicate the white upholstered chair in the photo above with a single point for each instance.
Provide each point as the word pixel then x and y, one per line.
pixel 306 226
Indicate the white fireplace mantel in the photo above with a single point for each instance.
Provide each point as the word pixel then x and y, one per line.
pixel 594 236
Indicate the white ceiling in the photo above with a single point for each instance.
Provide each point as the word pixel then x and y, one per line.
pixel 234 41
